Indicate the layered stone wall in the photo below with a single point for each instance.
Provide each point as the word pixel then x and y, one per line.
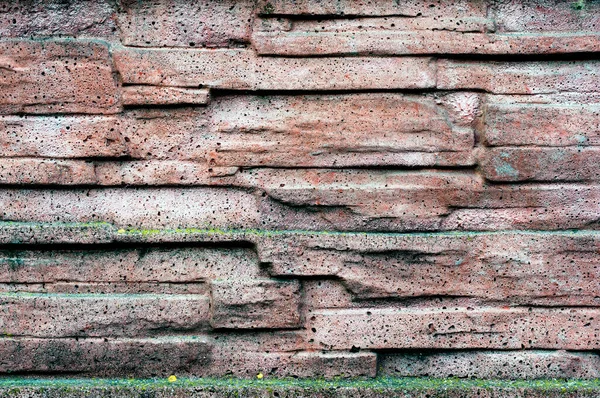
pixel 300 188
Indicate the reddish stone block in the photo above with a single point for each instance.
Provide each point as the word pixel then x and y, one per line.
pixel 57 77
pixel 513 268
pixel 114 357
pixel 167 133
pixel 180 23
pixel 493 364
pixel 242 70
pixel 395 42
pixel 23 171
pixel 99 315
pixel 131 265
pixel 183 355
pixel 303 364
pixel 254 303
pixel 402 194
pixel 541 164
pixel 546 16
pixel 46 18
pixel 410 8
pixel 544 120
pixel 107 288
pixel 153 172
pixel 216 68
pixel 17 233
pixel 455 328
pixel 150 95
pixel 379 129
pixel 138 208
pixel 519 77
pixel 62 137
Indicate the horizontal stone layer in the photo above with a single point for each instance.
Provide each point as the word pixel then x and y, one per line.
pixel 455 328
pixel 181 23
pixel 542 120
pixel 411 8
pixel 519 77
pixel 208 207
pixel 152 95
pixel 342 200
pixel 123 287
pixel 393 42
pixel 57 76
pixel 184 356
pixel 541 164
pixel 241 69
pixel 492 364
pixel 515 268
pixel 46 18
pixel 99 315
pixel 159 264
pixel 378 129
pixel 293 131
pixel 541 268
pixel 254 304
pixel 545 16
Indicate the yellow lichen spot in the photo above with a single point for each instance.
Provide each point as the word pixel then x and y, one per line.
pixel 172 379
pixel 121 231
pixel 259 376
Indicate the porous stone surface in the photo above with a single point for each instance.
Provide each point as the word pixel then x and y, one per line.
pixel 306 189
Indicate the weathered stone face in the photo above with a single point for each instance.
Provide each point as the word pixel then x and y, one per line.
pixel 300 188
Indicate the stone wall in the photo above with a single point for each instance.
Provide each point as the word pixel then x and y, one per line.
pixel 300 188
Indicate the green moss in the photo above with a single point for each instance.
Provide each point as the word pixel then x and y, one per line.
pixel 380 383
pixel 578 5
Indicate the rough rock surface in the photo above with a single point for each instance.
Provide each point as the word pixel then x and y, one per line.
pixel 300 189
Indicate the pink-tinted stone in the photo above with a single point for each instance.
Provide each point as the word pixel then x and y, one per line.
pixel 564 119
pixel 107 288
pixel 519 77
pixel 22 171
pixel 378 129
pixel 514 268
pixel 57 77
pixel 410 8
pixel 167 133
pixel 325 293
pixel 541 164
pixel 151 95
pixel 493 364
pixel 328 365
pixel 254 303
pixel 222 68
pixel 391 193
pixel 153 172
pixel 242 69
pixel 182 355
pixel 181 23
pixel 62 137
pixel 460 327
pixel 114 357
pixel 53 233
pixel 546 16
pixel 131 265
pixel 317 42
pixel 139 208
pixel 46 18
pixel 97 315
pixel 527 206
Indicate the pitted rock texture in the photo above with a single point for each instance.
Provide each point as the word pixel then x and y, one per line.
pixel 300 188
